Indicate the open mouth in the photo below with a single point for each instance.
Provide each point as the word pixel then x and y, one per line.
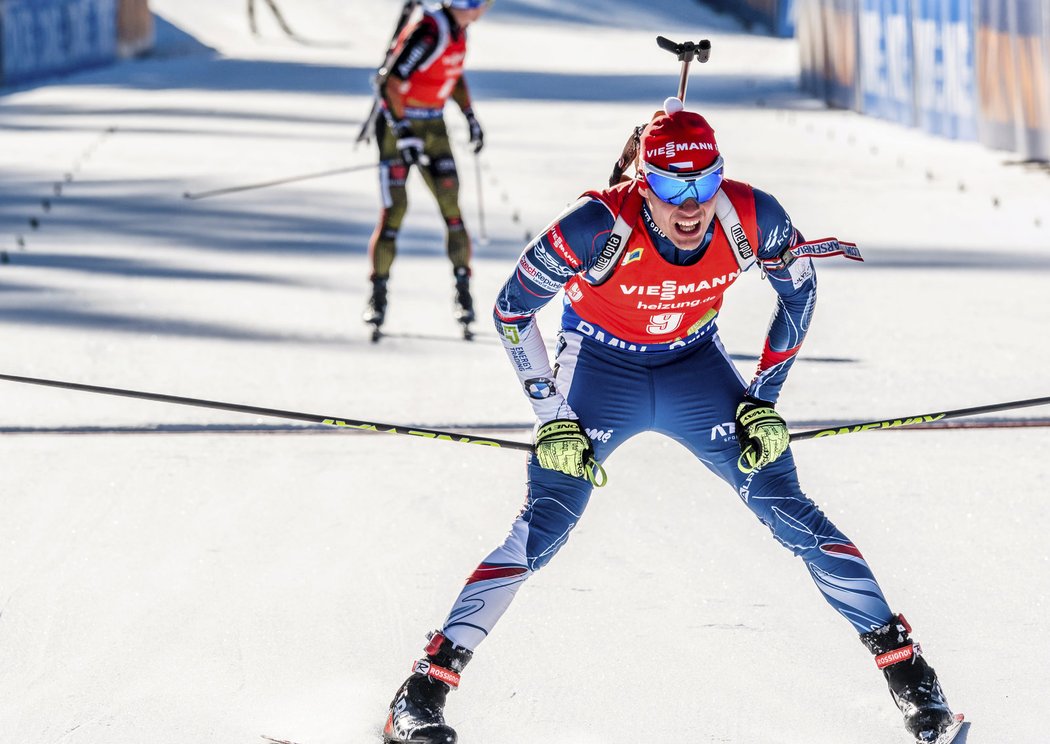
pixel 688 228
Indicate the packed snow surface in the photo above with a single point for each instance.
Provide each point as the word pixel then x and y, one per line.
pixel 178 575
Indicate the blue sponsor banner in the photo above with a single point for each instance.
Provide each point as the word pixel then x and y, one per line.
pixel 776 15
pixel 945 75
pixel 45 37
pixel 812 47
pixel 827 40
pixel 842 23
pixel 957 68
pixel 887 69
pixel 1013 75
pixel 785 19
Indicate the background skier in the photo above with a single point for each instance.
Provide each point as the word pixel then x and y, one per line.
pixel 427 70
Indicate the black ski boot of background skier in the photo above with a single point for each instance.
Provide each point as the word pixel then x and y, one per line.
pixel 375 310
pixel 463 303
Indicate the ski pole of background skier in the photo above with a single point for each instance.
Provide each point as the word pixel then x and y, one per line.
pixel 483 237
pixel 276 182
pixel 276 14
pixel 365 133
pixel 279 17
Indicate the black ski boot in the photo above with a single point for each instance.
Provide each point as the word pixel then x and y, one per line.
pixel 375 311
pixel 913 683
pixel 463 303
pixel 417 710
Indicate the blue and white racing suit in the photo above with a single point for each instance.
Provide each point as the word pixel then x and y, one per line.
pixel 688 389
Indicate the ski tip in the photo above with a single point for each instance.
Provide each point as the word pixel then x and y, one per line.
pixel 955 728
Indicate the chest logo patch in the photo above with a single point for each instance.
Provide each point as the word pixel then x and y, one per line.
pixel 632 255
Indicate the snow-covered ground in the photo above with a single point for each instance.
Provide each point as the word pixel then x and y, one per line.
pixel 172 574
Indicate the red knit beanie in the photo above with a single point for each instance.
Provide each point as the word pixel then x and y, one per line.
pixel 678 141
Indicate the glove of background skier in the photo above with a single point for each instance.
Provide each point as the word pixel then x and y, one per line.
pixel 762 432
pixel 563 446
pixel 409 145
pixel 477 136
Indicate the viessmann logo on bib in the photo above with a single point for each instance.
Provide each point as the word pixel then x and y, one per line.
pixel 672 148
pixel 678 295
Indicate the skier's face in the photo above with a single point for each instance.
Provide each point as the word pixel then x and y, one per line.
pixel 686 223
pixel 466 17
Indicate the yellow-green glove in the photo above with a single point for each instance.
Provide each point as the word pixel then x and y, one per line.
pixel 562 445
pixel 762 432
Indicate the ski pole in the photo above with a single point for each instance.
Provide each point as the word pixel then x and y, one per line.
pixel 279 17
pixel 686 52
pixel 314 418
pixel 277 182
pixel 281 22
pixel 890 423
pixel 924 418
pixel 483 237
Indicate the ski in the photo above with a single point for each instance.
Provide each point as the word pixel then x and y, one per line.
pixel 949 734
pixel 377 334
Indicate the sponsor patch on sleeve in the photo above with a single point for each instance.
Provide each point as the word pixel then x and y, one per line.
pixel 559 244
pixel 510 332
pixel 538 277
pixel 539 388
pixel 800 270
